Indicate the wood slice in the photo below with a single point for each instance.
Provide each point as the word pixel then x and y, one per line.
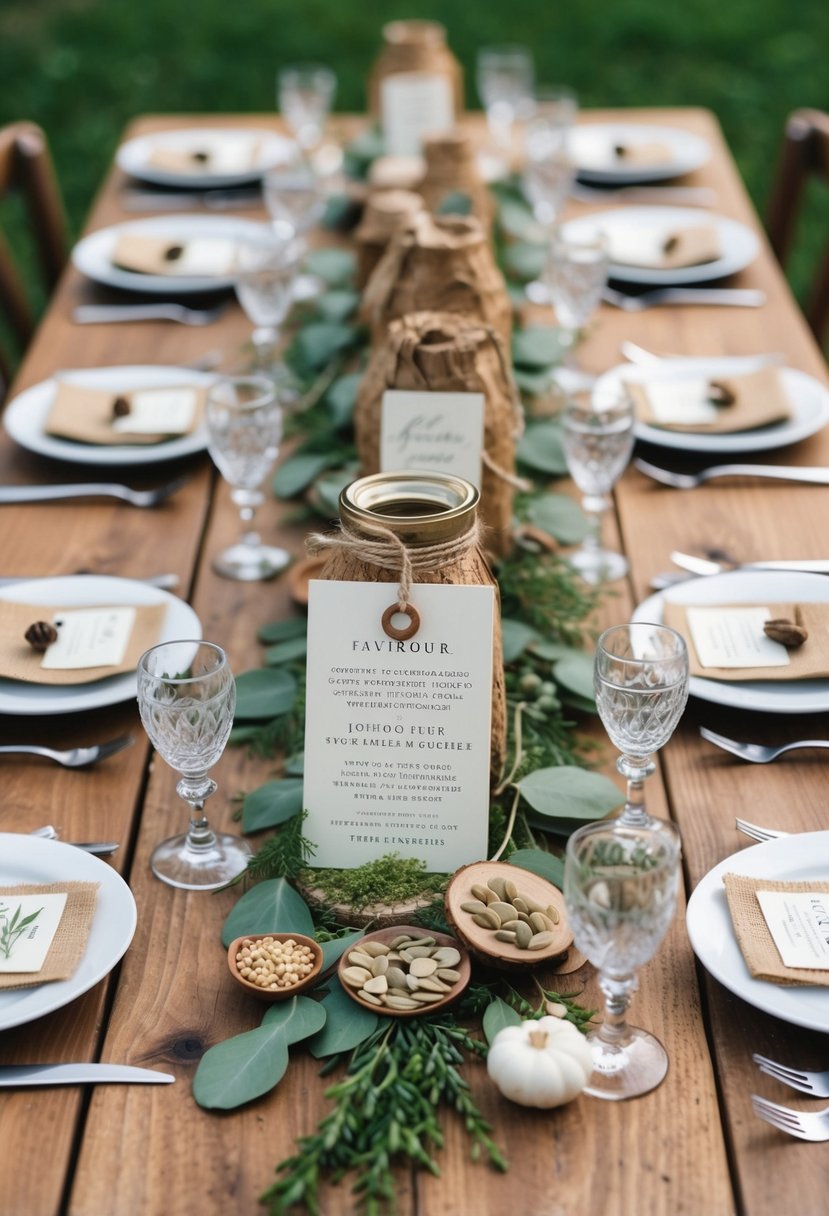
pixel 483 942
pixel 380 915
pixel 463 967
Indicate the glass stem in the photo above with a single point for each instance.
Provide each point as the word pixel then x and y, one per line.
pixel 594 506
pixel 195 790
pixel 247 501
pixel 635 769
pixel 264 341
pixel 613 1032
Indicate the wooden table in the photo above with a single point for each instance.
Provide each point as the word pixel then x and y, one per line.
pixel 693 1145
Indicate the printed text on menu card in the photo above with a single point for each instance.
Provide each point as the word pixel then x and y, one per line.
pixel 442 432
pixel 397 733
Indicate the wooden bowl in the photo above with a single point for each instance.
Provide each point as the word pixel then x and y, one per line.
pixel 464 967
pixel 275 994
pixel 483 942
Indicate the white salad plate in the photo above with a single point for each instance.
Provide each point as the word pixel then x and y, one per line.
pixel 135 156
pixel 592 145
pixel 795 858
pixel 76 591
pixel 25 416
pixel 31 859
pixel 749 587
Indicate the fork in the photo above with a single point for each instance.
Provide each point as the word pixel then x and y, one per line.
pixel 95 489
pixel 758 753
pixel 103 314
pixel 755 832
pixel 227 199
pixel 700 196
pixel 688 481
pixel 814 1083
pixel 744 297
pixel 805 1125
pixel 73 757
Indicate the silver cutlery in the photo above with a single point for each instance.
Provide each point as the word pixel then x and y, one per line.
pixel 755 832
pixel 167 582
pixel 814 1083
pixel 79 1074
pixel 805 1125
pixel 213 200
pixel 103 314
pixel 689 481
pixel 736 297
pixel 100 848
pixel 705 566
pixel 73 757
pixel 97 489
pixel 758 753
pixel 695 196
pixel 635 353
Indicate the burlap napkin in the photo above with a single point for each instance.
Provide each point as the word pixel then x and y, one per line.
pixel 759 399
pixel 807 662
pixel 70 940
pixel 86 414
pixel 668 249
pixel 18 661
pixel 650 152
pixel 204 256
pixel 753 936
pixel 234 152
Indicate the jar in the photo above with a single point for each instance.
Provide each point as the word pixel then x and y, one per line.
pixel 415 46
pixel 451 170
pixel 386 213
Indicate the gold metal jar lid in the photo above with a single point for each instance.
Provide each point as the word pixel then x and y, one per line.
pixel 421 508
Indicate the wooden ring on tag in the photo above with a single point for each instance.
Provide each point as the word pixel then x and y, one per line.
pixel 401 635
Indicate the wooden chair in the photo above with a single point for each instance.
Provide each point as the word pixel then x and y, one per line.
pixel 804 155
pixel 26 170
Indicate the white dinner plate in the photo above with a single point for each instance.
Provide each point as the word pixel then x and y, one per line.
pixel 31 859
pixel 738 243
pixel 20 697
pixel 92 255
pixel 788 859
pixel 592 147
pixel 25 416
pixel 749 587
pixel 134 156
pixel 809 400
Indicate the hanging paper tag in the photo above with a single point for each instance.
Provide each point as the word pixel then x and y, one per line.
pixel 397 733
pixel 799 923
pixel 414 104
pixel 442 432
pixel 28 924
pixel 90 637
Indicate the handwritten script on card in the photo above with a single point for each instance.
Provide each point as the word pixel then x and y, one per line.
pixel 441 432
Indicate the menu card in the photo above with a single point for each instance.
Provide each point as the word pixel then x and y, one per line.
pixel 141 415
pixel 397 733
pixel 414 104
pixel 442 432
pixel 717 404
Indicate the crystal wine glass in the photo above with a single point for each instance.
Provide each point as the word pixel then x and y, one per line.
pixel 266 269
pixel 640 678
pixel 575 275
pixel 244 425
pixel 505 77
pixel 186 698
pixel 620 889
pixel 305 94
pixel 295 199
pixel 598 441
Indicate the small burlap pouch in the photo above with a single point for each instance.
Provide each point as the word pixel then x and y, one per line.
pixel 753 937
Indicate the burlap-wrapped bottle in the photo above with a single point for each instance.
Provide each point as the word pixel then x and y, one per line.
pixel 443 352
pixel 439 264
pixel 415 46
pixel 434 515
pixel 451 171
pixel 385 213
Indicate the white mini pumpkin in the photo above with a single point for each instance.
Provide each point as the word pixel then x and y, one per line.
pixel 542 1063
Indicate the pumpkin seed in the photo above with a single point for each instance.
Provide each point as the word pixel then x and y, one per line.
pixel 487 920
pixel 371 998
pixel 540 940
pixel 375 949
pixel 448 974
pixel 380 965
pixel 359 959
pixel 412 983
pixel 398 1002
pixel 430 984
pixel 479 892
pixel 396 977
pixel 474 905
pixel 422 967
pixel 447 956
pixel 355 977
pixel 510 890
pixel 497 885
pixel 540 923
pixel 426 998
pixel 520 904
pixel 377 985
pixel 523 935
pixel 504 935
pixel 503 910
pixel 554 914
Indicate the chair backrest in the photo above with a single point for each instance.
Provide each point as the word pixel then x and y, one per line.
pixel 26 169
pixel 804 154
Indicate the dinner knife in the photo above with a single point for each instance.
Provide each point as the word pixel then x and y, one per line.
pixel 12 1075
pixel 669 578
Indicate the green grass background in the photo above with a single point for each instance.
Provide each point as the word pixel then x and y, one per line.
pixel 83 68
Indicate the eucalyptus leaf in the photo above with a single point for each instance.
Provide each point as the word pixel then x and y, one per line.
pixel 560 516
pixel 536 383
pixel 294 766
pixel 334 266
pixel 538 346
pixel 342 213
pixel 264 693
pixel 497 1015
pixel 299 470
pixel 551 826
pixel 569 792
pixel 580 703
pixel 342 397
pixel 281 631
pixel 541 447
pixel 272 906
pixel 338 304
pixel 331 951
pixel 347 1024
pixel 552 651
pixel 251 1064
pixel 575 673
pixel 516 219
pixel 271 804
pixel 525 261
pixel 316 344
pixel 286 652
pixel 327 489
pixel 516 637
pixel 546 865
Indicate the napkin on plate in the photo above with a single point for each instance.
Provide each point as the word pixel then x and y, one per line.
pixel 753 936
pixel 19 661
pixel 600 151
pixel 663 248
pixel 69 942
pixel 104 416
pixel 201 256
pixel 713 405
pixel 229 152
pixel 807 662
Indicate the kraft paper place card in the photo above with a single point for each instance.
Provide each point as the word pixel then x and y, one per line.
pixel 414 104
pixel 204 256
pixel 715 405
pixel 135 416
pixel 94 641
pixel 597 149
pixel 727 642
pixel 782 928
pixel 441 432
pixel 663 249
pixel 43 931
pixel 218 153
pixel 397 733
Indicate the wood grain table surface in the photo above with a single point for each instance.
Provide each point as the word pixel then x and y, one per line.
pixel 692 1146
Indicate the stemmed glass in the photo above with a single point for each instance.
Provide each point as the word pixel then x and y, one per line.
pixel 575 276
pixel 295 199
pixel 598 441
pixel 505 76
pixel 186 698
pixel 620 889
pixel 640 678
pixel 305 93
pixel 266 269
pixel 244 424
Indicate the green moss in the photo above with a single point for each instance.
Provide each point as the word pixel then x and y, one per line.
pixel 388 880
